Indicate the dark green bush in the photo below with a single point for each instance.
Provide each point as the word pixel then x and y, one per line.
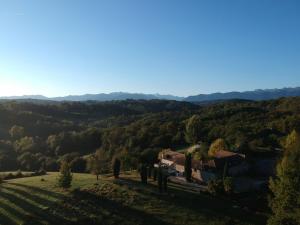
pixel 228 185
pixel 215 187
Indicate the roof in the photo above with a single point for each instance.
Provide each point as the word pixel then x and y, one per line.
pixel 172 153
pixel 193 148
pixel 179 158
pixel 224 154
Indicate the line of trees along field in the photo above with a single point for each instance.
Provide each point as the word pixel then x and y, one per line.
pixel 41 135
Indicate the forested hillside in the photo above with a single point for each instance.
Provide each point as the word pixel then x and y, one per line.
pixel 37 135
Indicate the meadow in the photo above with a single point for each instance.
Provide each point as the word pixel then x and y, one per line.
pixel 38 200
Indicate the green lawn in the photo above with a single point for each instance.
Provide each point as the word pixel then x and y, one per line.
pixel 37 200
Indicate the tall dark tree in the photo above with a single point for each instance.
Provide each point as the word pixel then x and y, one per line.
pixel 143 173
pixel 165 182
pixel 150 171
pixel 116 167
pixel 155 171
pixel 188 167
pixel 160 179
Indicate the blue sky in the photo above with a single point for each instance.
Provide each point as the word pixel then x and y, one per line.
pixel 61 47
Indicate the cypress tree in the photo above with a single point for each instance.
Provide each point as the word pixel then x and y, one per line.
pixel 165 183
pixel 154 174
pixel 143 173
pixel 150 169
pixel 116 167
pixel 160 179
pixel 225 170
pixel 188 167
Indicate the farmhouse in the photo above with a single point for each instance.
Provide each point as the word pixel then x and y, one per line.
pixel 203 171
pixel 176 160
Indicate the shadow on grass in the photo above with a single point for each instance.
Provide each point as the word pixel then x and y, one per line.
pixel 89 208
pixel 202 203
pixel 33 214
pixel 123 214
pixel 32 197
pixel 39 190
pixel 4 220
pixel 135 183
pixel 12 211
pixel 84 208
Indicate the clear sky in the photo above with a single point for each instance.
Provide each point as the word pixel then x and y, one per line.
pixel 180 47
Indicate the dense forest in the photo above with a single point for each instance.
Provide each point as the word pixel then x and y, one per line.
pixel 40 134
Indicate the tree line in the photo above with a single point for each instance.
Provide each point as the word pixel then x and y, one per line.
pixel 35 135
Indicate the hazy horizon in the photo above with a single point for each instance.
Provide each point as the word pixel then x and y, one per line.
pixel 59 48
pixel 107 93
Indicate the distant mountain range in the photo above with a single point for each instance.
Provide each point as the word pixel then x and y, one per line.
pixel 247 95
pixel 256 95
pixel 99 97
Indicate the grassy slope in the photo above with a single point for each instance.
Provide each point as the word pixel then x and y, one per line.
pixel 110 202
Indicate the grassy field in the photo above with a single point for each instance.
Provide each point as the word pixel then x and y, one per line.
pixel 37 200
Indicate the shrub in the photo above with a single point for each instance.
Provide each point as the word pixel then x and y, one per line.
pixel 228 185
pixel 76 192
pixel 9 176
pixel 215 187
pixel 41 172
pixel 19 174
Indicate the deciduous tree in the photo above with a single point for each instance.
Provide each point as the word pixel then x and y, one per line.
pixel 193 129
pixel 216 146
pixel 98 163
pixel 17 132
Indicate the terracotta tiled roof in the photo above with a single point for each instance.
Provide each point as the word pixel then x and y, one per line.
pixel 224 154
pixel 179 159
